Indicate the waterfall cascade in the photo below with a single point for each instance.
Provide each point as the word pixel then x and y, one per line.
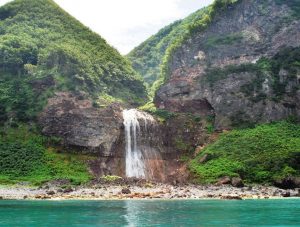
pixel 138 149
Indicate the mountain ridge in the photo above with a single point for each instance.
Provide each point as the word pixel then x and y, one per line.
pixel 41 43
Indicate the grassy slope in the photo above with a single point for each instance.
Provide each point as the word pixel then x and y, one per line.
pixel 27 156
pixel 259 155
pixel 39 40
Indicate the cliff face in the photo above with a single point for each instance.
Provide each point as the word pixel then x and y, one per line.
pixel 244 68
pixel 100 132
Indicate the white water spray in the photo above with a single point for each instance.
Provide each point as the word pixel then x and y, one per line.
pixel 135 159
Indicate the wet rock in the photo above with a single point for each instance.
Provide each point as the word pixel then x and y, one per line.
pixel 203 159
pixel 237 182
pixel 68 190
pixel 51 193
pixel 286 194
pixel 231 197
pixel 126 191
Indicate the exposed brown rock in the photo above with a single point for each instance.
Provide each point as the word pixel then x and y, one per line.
pixel 237 182
pixel 224 180
pixel 188 90
pixel 126 191
pixel 51 193
pixel 288 183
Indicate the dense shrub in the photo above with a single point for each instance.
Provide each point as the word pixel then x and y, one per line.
pixel 259 155
pixel 20 159
pixel 26 156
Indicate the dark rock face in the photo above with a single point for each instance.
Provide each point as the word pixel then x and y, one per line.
pixel 288 183
pixel 100 132
pixel 201 82
pixel 85 129
pixel 80 124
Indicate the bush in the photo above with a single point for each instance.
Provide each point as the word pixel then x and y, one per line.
pixel 20 159
pixel 25 157
pixel 258 155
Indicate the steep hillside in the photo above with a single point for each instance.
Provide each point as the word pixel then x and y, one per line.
pixel 265 154
pixel 240 65
pixel 148 56
pixel 48 57
pixel 43 50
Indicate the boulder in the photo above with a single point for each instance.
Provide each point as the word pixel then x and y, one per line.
pixel 237 182
pixel 231 197
pixel 203 159
pixel 51 193
pixel 126 191
pixel 68 190
pixel 286 194
pixel 224 180
pixel 288 183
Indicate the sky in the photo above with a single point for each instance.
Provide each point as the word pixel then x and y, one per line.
pixel 127 23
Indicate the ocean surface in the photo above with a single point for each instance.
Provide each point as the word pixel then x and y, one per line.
pixel 150 213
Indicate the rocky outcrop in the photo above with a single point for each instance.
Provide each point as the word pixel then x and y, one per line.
pixel 288 183
pixel 224 72
pixel 99 132
pixel 74 119
pixel 86 129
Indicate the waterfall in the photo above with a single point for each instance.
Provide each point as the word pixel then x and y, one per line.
pixel 137 150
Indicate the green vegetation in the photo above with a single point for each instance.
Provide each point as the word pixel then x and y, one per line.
pixel 287 59
pixel 25 157
pixel 197 26
pixel 43 50
pixel 152 58
pixel 224 40
pixel 183 146
pixel 147 57
pixel 162 115
pixel 109 178
pixel 215 74
pixel 260 155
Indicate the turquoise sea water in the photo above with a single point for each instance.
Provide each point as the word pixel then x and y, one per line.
pixel 150 213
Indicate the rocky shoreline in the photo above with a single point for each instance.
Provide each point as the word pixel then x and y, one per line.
pixel 145 191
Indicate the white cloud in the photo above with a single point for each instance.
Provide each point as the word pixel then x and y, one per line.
pixel 127 23
pixel 2 2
